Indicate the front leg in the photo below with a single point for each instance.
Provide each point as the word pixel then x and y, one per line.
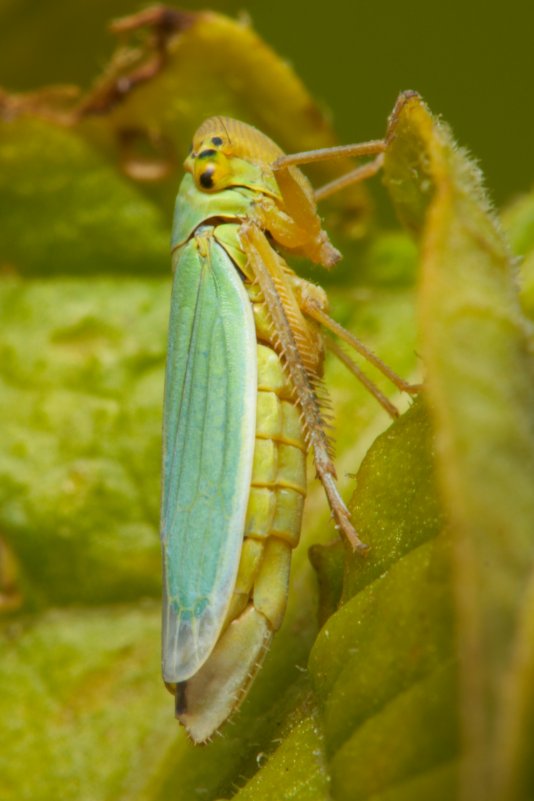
pixel 300 233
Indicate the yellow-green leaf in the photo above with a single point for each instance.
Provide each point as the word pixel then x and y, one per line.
pixel 476 346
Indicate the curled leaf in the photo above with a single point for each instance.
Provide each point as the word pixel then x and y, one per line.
pixel 480 378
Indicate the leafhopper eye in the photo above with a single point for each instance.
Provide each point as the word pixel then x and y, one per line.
pixel 206 177
pixel 212 171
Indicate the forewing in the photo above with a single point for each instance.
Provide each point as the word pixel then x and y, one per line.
pixel 209 429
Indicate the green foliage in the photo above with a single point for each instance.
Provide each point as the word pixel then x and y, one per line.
pixel 68 192
pixel 404 675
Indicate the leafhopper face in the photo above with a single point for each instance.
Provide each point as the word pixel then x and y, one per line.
pixel 243 406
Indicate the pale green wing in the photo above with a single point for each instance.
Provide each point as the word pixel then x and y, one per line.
pixel 208 445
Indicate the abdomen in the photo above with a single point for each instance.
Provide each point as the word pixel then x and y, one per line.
pixel 277 493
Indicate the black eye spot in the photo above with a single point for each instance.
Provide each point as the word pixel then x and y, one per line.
pixel 206 154
pixel 206 178
pixel 216 140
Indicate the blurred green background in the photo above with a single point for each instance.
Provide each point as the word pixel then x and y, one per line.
pixel 82 507
pixel 472 61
